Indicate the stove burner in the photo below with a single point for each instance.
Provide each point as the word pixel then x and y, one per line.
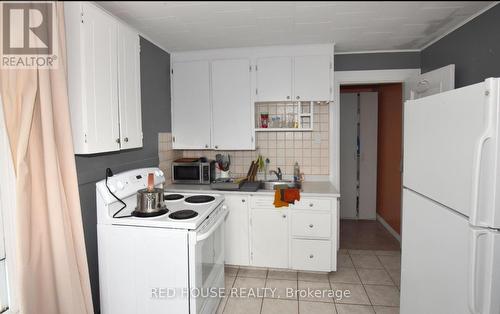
pixel 183 214
pixel 198 199
pixel 149 215
pixel 173 197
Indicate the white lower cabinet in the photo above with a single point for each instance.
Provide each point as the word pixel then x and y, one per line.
pixel 269 237
pixel 303 236
pixel 314 255
pixel 237 248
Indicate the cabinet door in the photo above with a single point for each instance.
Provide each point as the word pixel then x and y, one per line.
pixel 231 105
pixel 191 114
pixel 100 80
pixel 269 238
pixel 237 249
pixel 274 79
pixel 129 87
pixel 312 78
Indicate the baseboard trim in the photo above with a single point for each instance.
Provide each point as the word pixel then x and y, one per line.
pixel 389 228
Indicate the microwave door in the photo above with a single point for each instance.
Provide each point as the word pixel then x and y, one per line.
pixel 186 174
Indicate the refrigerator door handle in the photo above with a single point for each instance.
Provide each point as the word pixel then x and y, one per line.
pixel 476 176
pixel 475 234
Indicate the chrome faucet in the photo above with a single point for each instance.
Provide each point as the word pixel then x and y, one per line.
pixel 278 173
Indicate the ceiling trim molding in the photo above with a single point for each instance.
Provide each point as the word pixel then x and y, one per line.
pixel 433 41
pixel 467 20
pixel 376 51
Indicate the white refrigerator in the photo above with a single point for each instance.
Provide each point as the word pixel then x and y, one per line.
pixel 451 202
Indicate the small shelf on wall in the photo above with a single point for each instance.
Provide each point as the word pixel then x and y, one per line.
pixel 284 116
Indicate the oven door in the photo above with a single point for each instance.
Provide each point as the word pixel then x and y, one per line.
pixel 186 173
pixel 206 263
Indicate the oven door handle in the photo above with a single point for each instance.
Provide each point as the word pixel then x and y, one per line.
pixel 220 220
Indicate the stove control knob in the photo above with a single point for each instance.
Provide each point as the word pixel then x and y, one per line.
pixel 159 173
pixel 120 185
pixel 112 188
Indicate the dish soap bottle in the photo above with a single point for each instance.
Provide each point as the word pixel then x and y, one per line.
pixel 296 172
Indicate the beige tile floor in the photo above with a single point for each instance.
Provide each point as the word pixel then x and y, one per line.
pixel 372 277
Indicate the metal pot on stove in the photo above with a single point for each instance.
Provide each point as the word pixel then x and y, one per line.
pixel 151 200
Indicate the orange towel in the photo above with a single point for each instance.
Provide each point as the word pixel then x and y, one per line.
pixel 278 202
pixel 291 195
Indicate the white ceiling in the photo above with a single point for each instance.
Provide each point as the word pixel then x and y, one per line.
pixel 353 26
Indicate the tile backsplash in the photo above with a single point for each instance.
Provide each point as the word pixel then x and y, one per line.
pixel 309 148
pixel 167 154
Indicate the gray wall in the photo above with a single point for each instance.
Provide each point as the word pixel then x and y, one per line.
pixel 155 97
pixel 474 49
pixel 377 61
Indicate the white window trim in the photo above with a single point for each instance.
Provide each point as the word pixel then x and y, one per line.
pixel 8 202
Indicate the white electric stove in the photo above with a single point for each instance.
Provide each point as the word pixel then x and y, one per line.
pixel 164 264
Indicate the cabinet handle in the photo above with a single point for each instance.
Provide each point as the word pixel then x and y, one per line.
pixel 311 256
pixel 284 216
pixel 243 201
pixel 298 97
pixel 311 204
pixel 125 139
pixel 287 97
pixel 311 225
pixel 118 140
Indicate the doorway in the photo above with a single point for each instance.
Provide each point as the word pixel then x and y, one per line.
pixel 371 121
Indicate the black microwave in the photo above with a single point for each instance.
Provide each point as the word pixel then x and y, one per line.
pixel 193 172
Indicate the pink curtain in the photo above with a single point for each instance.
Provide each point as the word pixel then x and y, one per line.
pixel 51 257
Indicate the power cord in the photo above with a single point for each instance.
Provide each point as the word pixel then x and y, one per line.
pixel 109 173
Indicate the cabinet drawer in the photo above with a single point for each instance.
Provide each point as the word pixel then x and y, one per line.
pixel 314 255
pixel 261 202
pixel 304 203
pixel 311 224
pixel 312 203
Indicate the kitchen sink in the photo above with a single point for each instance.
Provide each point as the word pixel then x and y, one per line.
pixel 273 184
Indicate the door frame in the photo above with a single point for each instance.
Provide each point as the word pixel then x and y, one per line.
pixel 357 78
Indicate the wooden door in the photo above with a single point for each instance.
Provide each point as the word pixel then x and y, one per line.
pixel 368 127
pixel 348 155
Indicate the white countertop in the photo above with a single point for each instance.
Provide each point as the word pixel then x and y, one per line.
pixel 309 188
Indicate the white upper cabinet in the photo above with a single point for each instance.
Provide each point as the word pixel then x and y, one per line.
pixel 214 91
pixel 191 112
pixel 312 78
pixel 307 78
pixel 231 105
pixel 129 87
pixel 274 79
pixel 102 97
